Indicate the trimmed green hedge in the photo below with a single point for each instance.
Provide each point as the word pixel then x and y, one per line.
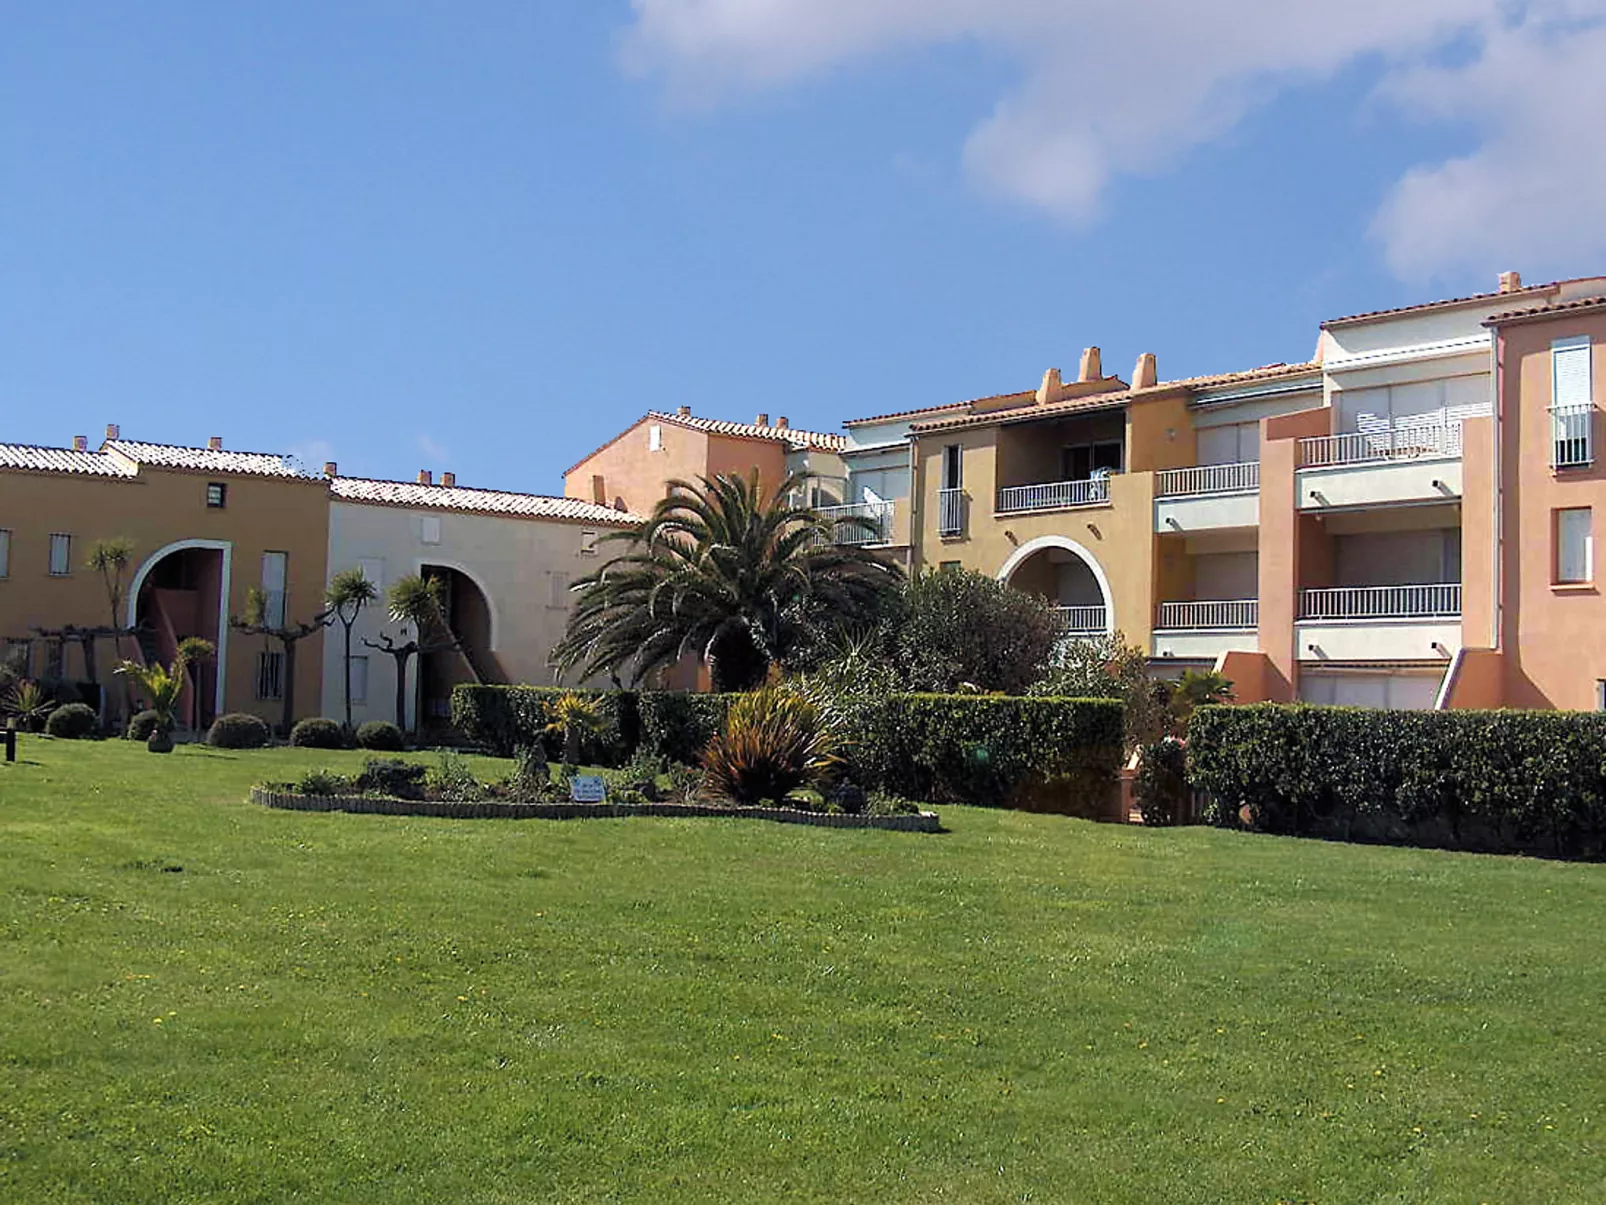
pixel 501 718
pixel 993 750
pixel 1491 781
pixel 679 726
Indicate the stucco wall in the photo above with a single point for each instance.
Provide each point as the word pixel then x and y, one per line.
pixel 156 509
pixel 632 473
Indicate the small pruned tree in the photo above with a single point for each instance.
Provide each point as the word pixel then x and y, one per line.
pixel 255 623
pixel 348 593
pixel 111 558
pixel 193 653
pixel 960 630
pixel 416 604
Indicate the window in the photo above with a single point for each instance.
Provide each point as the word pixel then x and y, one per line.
pixel 5 553
pixel 1600 694
pixel 60 555
pixel 946 566
pixel 429 529
pixel 275 572
pixel 373 568
pixel 655 438
pixel 1575 545
pixel 270 675
pixel 359 679
pixel 1572 409
pixel 952 467
pixel 560 590
pixel 1082 461
pixel 217 495
pixel 588 543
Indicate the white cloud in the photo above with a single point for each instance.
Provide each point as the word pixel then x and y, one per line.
pixel 1109 89
pixel 434 450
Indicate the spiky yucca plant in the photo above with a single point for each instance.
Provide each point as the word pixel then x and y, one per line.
pixel 161 685
pixel 573 715
pixel 775 740
pixel 29 704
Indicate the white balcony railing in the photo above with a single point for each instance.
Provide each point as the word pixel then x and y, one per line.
pixel 1082 621
pixel 1382 602
pixel 1055 495
pixel 1572 435
pixel 1208 479
pixel 950 512
pixel 1403 441
pixel 860 522
pixel 1241 613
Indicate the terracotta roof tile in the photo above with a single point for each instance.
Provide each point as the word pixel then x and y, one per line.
pixel 489 502
pixel 1445 303
pixel 62 460
pixel 1545 311
pixel 886 418
pixel 207 460
pixel 795 436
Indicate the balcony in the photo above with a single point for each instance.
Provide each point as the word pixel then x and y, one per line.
pixel 1207 497
pixel 1054 495
pixel 1077 622
pixel 860 523
pixel 1405 462
pixel 1572 436
pixel 950 514
pixel 1202 631
pixel 1415 622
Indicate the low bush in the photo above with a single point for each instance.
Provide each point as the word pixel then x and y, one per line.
pixel 73 722
pixel 239 730
pixel 994 750
pixel 678 726
pixel 774 741
pixel 639 775
pixel 324 782
pixel 318 733
pixel 381 736
pixel 392 777
pixel 1492 781
pixel 452 780
pixel 1162 782
pixel 141 725
pixel 499 719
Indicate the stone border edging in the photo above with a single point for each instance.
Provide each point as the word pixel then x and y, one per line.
pixel 912 822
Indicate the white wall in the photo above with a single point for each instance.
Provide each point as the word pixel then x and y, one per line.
pixel 521 565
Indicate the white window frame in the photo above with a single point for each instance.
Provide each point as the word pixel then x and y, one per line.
pixel 359 677
pixel 62 566
pixel 588 543
pixel 275 613
pixel 655 438
pixel 429 529
pixel 1565 575
pixel 558 590
pixel 1572 419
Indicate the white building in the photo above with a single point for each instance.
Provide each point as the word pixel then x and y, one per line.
pixel 506 562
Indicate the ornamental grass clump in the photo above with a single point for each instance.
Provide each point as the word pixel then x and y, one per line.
pixel 775 740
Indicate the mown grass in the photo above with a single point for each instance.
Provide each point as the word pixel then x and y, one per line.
pixel 201 1000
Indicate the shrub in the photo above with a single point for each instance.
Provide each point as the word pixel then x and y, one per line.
pixel 381 736
pixel 72 722
pixel 239 730
pixel 323 782
pixel 959 628
pixel 142 725
pixel 29 704
pixel 393 777
pixel 883 804
pixel 677 726
pixel 452 780
pixel 531 779
pixel 1493 781
pixel 1162 783
pixel 639 775
pixel 685 784
pixel 773 743
pixel 499 719
pixel 1109 668
pixel 989 749
pixel 848 798
pixel 318 733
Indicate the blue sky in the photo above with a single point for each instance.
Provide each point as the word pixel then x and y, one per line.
pixel 485 236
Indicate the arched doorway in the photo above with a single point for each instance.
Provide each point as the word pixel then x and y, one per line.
pixel 463 653
pixel 1069 576
pixel 182 590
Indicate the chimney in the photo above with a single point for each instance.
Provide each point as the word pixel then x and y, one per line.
pixel 424 477
pixel 80 443
pixel 449 481
pixel 1051 388
pixel 331 469
pixel 214 443
pixel 783 422
pixel 1511 282
pixel 1147 374
pixel 599 489
pixel 763 420
pixel 112 431
pixel 683 411
pixel 1092 366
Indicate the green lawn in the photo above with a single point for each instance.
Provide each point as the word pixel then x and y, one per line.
pixel 201 1000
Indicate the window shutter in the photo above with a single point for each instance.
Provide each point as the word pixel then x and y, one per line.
pixel 1570 362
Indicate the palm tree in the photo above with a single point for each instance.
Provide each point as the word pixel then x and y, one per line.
pixel 723 573
pixel 161 685
pixel 348 593
pixel 193 652
pixel 418 603
pixel 1195 689
pixel 574 715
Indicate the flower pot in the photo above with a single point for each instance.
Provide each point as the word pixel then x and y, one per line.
pixel 160 740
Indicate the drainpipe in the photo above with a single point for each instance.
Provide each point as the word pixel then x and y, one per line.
pixel 1497 346
pixel 915 542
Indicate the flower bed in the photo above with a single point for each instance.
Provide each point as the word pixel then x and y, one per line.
pixel 915 822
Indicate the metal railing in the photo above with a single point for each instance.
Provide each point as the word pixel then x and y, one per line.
pixel 1403 441
pixel 1572 435
pixel 1055 495
pixel 1082 621
pixel 950 512
pixel 1241 613
pixel 1382 602
pixel 860 522
pixel 1208 479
